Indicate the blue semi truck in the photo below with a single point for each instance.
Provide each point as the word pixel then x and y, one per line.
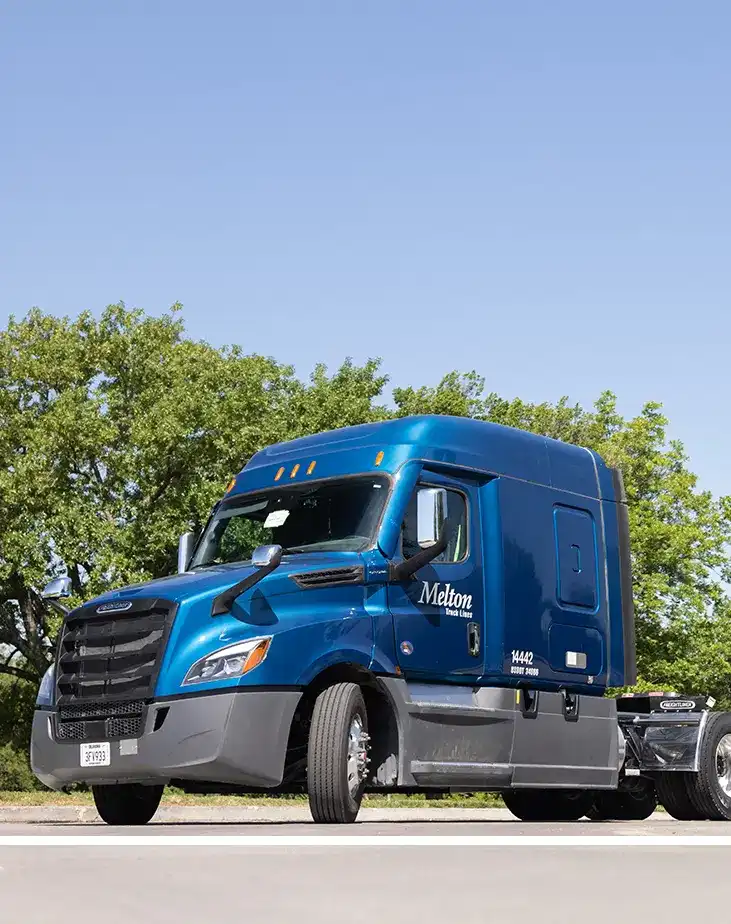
pixel 427 604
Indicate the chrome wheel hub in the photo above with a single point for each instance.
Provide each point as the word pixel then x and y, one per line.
pixel 357 754
pixel 723 764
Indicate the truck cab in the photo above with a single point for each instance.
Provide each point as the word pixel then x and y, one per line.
pixel 420 603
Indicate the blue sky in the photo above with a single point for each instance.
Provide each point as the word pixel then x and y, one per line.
pixel 538 191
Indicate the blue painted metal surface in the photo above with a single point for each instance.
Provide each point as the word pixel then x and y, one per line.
pixel 576 557
pixel 432 614
pixel 515 577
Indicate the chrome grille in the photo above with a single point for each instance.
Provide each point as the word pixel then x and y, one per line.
pixel 106 669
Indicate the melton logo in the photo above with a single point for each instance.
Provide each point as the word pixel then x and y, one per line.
pixel 432 594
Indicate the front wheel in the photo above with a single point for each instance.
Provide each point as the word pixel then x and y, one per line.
pixel 337 759
pixel 127 803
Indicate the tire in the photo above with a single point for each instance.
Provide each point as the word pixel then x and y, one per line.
pixel 127 803
pixel 673 795
pixel 548 804
pixel 710 788
pixel 336 754
pixel 634 804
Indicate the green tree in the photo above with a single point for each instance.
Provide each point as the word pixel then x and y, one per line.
pixel 119 433
pixel 116 434
pixel 345 399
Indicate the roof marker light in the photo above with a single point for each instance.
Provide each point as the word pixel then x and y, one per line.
pixel 379 458
pixel 294 470
pixel 280 472
pixel 311 467
pixel 230 486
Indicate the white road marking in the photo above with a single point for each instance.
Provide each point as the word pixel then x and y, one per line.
pixel 352 840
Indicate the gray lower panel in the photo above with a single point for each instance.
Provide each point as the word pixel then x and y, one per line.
pixel 237 737
pixel 549 751
pixel 483 737
pixel 460 775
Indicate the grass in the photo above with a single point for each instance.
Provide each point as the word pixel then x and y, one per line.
pixel 178 797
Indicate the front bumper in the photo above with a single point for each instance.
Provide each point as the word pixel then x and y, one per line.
pixel 233 737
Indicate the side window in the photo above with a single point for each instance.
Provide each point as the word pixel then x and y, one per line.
pixel 456 512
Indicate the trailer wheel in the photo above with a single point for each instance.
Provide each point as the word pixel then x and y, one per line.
pixel 635 804
pixel 673 794
pixel 710 788
pixel 548 804
pixel 337 759
pixel 127 803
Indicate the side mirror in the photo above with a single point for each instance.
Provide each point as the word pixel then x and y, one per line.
pixel 433 532
pixel 431 513
pixel 57 589
pixel 267 556
pixel 265 559
pixel 186 544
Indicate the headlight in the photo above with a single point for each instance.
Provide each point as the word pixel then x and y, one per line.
pixel 45 691
pixel 232 661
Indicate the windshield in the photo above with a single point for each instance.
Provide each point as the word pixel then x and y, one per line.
pixel 333 515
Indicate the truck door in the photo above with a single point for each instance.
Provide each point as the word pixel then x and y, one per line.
pixel 438 614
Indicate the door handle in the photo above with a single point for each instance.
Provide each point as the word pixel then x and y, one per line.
pixel 473 639
pixel 577 559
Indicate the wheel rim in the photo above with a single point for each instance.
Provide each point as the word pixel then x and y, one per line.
pixel 357 754
pixel 723 764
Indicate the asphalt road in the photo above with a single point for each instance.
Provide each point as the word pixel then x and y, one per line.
pixel 263 883
pixel 296 820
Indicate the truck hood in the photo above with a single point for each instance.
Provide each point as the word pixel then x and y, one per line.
pixel 211 581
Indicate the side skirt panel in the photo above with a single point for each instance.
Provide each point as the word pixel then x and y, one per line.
pixel 495 738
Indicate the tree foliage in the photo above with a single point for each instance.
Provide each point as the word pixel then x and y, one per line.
pixel 118 433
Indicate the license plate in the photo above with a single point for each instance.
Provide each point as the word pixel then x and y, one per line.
pixel 98 754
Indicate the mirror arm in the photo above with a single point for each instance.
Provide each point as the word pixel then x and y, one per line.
pixel 224 601
pixel 58 607
pixel 403 570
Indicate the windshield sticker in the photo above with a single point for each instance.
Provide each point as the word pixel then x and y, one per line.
pixel 276 518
